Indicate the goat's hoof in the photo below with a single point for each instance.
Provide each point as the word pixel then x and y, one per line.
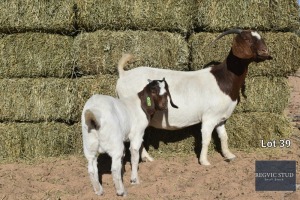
pixel 147 159
pixel 134 181
pixel 205 163
pixel 99 193
pixel 123 194
pixel 230 159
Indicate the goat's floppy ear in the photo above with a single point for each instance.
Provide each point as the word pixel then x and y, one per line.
pixel 169 94
pixel 147 103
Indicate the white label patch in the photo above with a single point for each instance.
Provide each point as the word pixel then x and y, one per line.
pixel 255 34
pixel 162 88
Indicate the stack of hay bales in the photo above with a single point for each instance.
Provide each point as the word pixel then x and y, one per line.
pixel 55 54
pixel 260 115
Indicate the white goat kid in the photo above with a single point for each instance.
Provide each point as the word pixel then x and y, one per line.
pixel 208 95
pixel 107 122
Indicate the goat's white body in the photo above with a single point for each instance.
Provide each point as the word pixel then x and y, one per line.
pixel 119 120
pixel 197 95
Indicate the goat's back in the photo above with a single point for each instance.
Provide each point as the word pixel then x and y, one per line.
pixel 111 114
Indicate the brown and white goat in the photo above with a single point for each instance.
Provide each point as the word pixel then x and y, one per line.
pixel 208 95
pixel 107 122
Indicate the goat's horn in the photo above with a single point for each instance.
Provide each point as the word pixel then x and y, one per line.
pixel 231 31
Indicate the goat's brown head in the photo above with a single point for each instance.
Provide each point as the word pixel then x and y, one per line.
pixel 248 44
pixel 155 97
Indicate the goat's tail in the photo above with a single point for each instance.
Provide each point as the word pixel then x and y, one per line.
pixel 122 62
pixel 91 121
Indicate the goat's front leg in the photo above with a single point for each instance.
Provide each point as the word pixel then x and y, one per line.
pixel 206 132
pixel 135 145
pixel 224 142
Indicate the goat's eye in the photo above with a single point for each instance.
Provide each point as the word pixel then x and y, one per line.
pixel 249 41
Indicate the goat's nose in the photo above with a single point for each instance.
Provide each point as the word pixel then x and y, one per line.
pixel 263 51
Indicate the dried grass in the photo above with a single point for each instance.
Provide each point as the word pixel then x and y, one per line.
pixel 37 140
pixel 264 94
pixel 35 15
pixel 36 55
pixel 49 99
pixel 273 15
pixel 100 51
pixel 166 15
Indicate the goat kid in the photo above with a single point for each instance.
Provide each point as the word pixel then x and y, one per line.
pixel 107 122
pixel 208 95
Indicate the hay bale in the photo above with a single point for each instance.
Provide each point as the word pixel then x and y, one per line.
pixel 38 140
pixel 36 55
pixel 275 15
pixel 36 100
pixel 86 87
pixel 265 95
pixel 100 51
pixel 160 15
pixel 36 15
pixel 50 99
pixel 245 130
pixel 284 47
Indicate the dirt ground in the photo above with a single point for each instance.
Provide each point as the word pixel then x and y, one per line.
pixel 171 178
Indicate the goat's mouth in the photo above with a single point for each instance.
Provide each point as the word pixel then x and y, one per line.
pixel 263 57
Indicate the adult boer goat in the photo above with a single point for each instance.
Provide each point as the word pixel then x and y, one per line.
pixel 208 95
pixel 107 122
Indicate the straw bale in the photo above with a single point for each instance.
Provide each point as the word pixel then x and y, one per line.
pixel 166 15
pixel 245 130
pixel 36 15
pixel 284 48
pixel 86 87
pixel 38 140
pixel 100 51
pixel 49 99
pixel 278 15
pixel 35 55
pixel 265 94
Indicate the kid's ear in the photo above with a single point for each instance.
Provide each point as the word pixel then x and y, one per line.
pixel 169 94
pixel 147 103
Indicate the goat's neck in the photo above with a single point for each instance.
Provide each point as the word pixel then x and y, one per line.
pixel 237 66
pixel 231 74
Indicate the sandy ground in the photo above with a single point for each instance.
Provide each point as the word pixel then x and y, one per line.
pixel 171 178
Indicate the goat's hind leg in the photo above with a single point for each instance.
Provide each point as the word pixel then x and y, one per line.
pixel 224 142
pixel 206 132
pixel 94 176
pixel 135 145
pixel 116 170
pixel 145 155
